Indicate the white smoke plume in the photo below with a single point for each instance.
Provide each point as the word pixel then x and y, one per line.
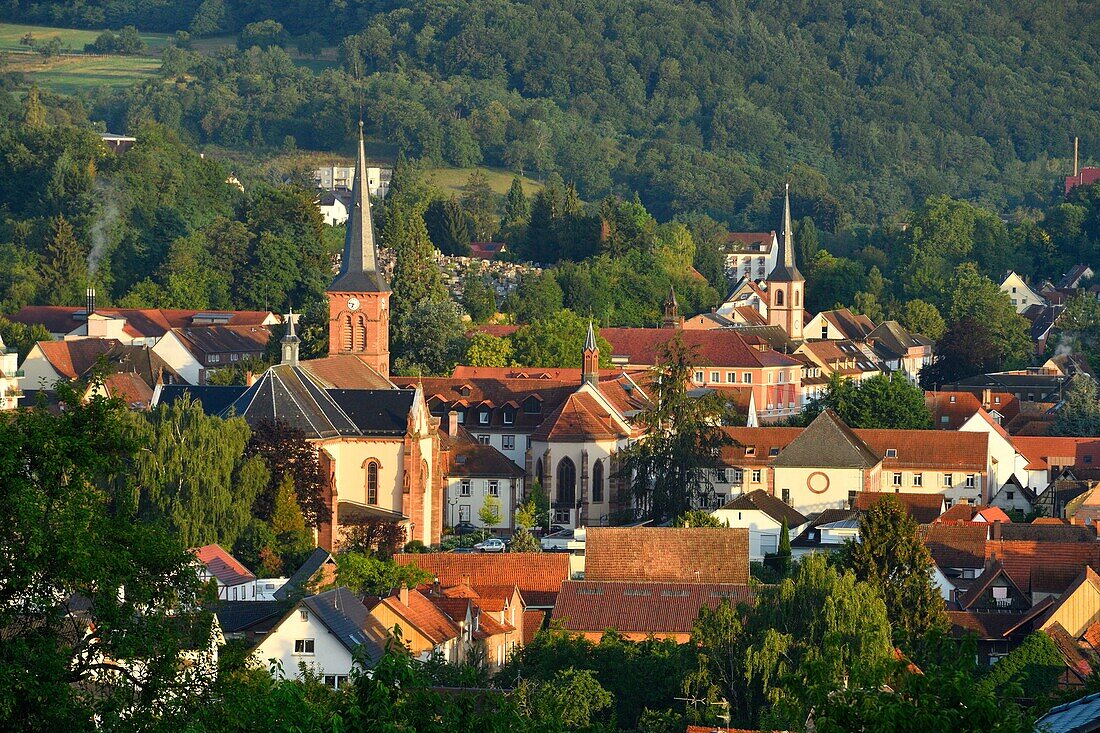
pixel 103 227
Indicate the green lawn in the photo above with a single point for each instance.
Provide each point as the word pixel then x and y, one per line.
pixel 75 74
pixel 453 180
pixel 10 33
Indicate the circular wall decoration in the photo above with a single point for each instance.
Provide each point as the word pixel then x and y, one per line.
pixel 817 482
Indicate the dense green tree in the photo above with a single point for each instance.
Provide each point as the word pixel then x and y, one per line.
pixel 369 575
pixel 22 337
pixel 192 474
pixel 557 341
pixel 924 318
pixel 286 452
pixel 65 273
pixel 571 699
pixel 517 209
pixel 1079 414
pixel 976 296
pixel 524 541
pixel 892 558
pixel 813 634
pixel 537 297
pixel 806 240
pixel 263 33
pixel 429 339
pixel 478 298
pixel 448 226
pixel 72 542
pixel 670 469
pixel 883 401
pixel 484 349
pixel 966 348
pixel 479 204
pixel 698 518
pixel 1034 669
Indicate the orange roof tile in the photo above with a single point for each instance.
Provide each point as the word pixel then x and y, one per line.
pixel 537 575
pixel 423 615
pixel 532 623
pixel 956 545
pixel 924 508
pixel 223 566
pixel 640 607
pixel 1044 567
pixel 580 416
pixel 928 448
pixel 667 554
pixel 1044 451
pixel 72 359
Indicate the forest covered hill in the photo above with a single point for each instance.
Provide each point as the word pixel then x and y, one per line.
pixel 869 107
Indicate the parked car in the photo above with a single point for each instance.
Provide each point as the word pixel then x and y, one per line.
pixel 492 544
pixel 463 528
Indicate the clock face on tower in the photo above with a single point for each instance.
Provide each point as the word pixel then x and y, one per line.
pixel 353 304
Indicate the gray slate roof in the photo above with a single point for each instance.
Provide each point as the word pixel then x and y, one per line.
pixel 347 618
pixel 760 500
pixel 1078 716
pixel 292 394
pixel 239 616
pixel 827 442
pixel 302 575
pixel 359 266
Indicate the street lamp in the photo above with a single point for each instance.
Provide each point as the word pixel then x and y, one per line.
pixel 452 503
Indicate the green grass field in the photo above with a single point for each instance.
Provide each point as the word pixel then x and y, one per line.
pixel 10 33
pixel 453 179
pixel 76 74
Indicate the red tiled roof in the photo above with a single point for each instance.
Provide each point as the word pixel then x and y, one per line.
pixel 958 407
pixel 640 607
pixel 854 326
pixel 761 440
pixel 532 623
pixel 423 615
pixel 667 554
pixel 721 347
pixel 581 416
pixel 931 449
pixel 747 238
pixel 1044 567
pixel 346 371
pixel 143 322
pixel 1042 451
pixel 990 514
pixel 956 545
pixel 72 359
pixel 130 388
pixel 468 457
pixel 958 513
pixel 924 508
pixel 538 575
pixel 223 566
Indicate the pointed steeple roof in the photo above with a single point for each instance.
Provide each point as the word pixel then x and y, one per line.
pixel 785 269
pixel 590 339
pixel 359 267
pixel 827 443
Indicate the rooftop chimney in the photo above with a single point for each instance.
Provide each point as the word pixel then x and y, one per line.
pixel 452 423
pixel 90 305
pixel 987 398
pixel 995 530
pixel 403 595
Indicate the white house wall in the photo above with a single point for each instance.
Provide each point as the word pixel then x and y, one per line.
pixel 179 357
pixel 329 655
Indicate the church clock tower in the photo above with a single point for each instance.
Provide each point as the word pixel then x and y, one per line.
pixel 785 283
pixel 359 297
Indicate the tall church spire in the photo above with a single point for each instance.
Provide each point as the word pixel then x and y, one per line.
pixel 785 268
pixel 359 267
pixel 590 374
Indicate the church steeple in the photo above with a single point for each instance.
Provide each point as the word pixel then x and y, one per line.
pixel 785 283
pixel 359 297
pixel 290 341
pixel 359 267
pixel 785 268
pixel 672 317
pixel 590 374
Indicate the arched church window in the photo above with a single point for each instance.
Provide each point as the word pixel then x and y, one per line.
pixel 372 482
pixel 567 482
pixel 348 343
pixel 797 298
pixel 778 296
pixel 597 482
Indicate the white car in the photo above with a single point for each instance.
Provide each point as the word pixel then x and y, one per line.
pixel 490 545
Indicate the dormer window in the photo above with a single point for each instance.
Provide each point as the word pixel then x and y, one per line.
pixel 773 452
pixel 483 416
pixel 891 452
pixel 750 450
pixel 532 405
pixel 465 390
pixel 509 415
